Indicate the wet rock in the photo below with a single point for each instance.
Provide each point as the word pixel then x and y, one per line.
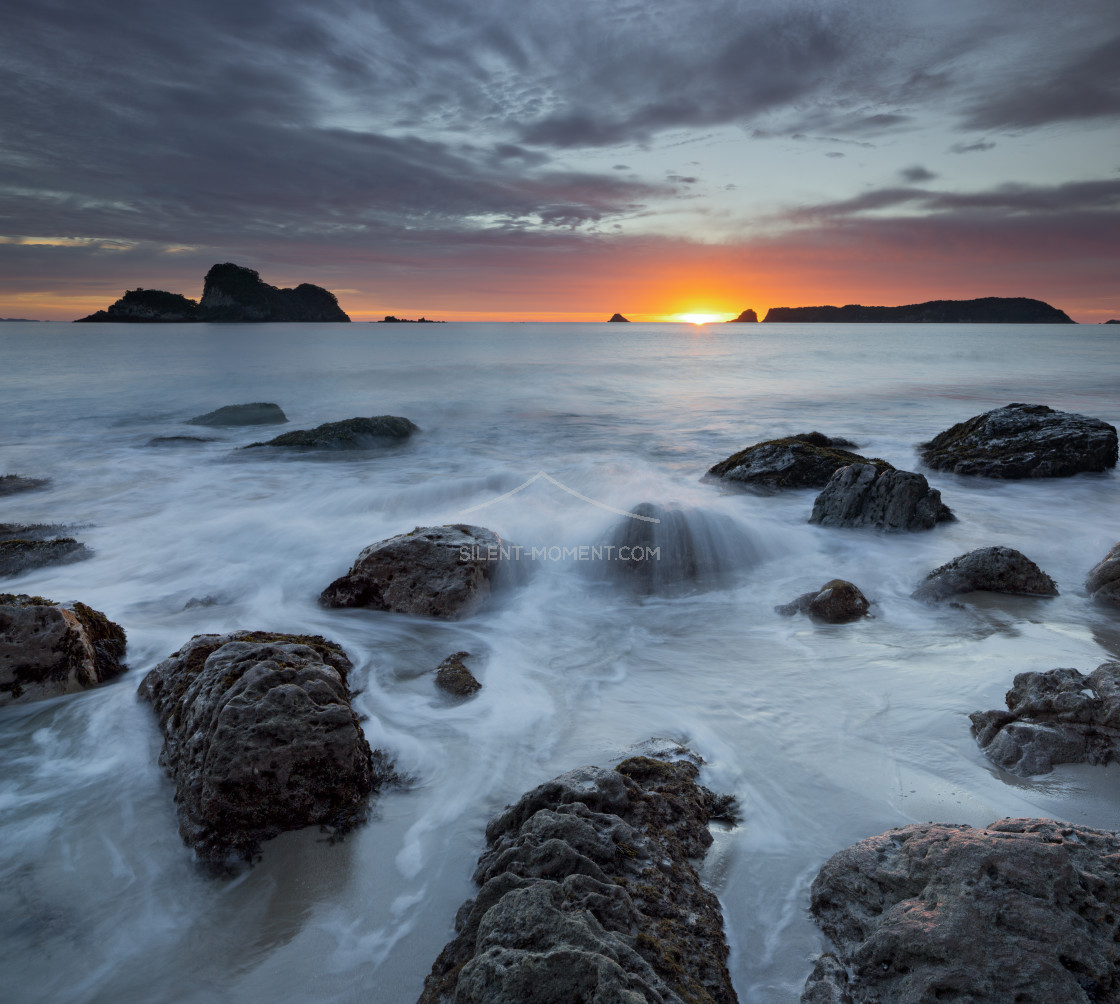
pixel 260 738
pixel 1103 582
pixel 1023 910
pixel 1060 716
pixel 588 893
pixel 21 555
pixel 793 462
pixel 1023 441
pixel 47 649
pixel 993 569
pixel 616 318
pixel 257 413
pixel 820 439
pixel 351 434
pixel 836 602
pixel 432 571
pixel 867 495
pixel 180 440
pixel 31 531
pixel 10 484
pixel 455 678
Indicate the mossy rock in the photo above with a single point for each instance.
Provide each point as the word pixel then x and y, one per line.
pixel 792 462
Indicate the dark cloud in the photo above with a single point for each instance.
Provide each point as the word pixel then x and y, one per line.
pixel 978 147
pixel 916 174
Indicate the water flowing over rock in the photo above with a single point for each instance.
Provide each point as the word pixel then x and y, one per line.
pixel 793 462
pixel 10 484
pixel 1022 910
pixel 1060 716
pixel 351 434
pixel 48 648
pixel 260 738
pixel 587 893
pixel 836 602
pixel 433 571
pixel 866 495
pixel 983 310
pixel 257 413
pixel 455 678
pixel 23 548
pixel 1103 582
pixel 994 569
pixel 1023 441
pixel 234 293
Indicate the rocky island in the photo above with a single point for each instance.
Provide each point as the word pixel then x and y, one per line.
pixel 985 310
pixel 748 316
pixel 230 293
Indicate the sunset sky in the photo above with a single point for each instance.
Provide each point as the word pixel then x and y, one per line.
pixel 526 160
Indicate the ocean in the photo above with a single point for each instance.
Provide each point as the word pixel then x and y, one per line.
pixel 826 734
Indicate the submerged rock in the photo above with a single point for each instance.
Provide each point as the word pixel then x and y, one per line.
pixel 793 462
pixel 616 318
pixel 47 649
pixel 993 569
pixel 257 413
pixel 179 440
pixel 260 738
pixel 588 893
pixel 1023 441
pixel 1059 716
pixel 21 555
pixel 1103 582
pixel 867 495
pixel 10 484
pixel 836 602
pixel 351 434
pixel 455 678
pixel 432 571
pixel 1022 910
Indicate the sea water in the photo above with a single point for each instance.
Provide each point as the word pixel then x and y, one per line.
pixel 826 734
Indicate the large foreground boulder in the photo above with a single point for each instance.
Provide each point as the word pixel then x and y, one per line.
pixel 879 496
pixel 1023 441
pixel 1023 910
pixel 1060 716
pixel 48 648
pixel 836 602
pixel 806 461
pixel 588 893
pixel 260 738
pixel 257 413
pixel 992 569
pixel 351 434
pixel 1103 582
pixel 432 571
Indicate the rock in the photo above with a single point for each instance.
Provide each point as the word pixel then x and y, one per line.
pixel 1059 716
pixel 179 440
pixel 433 571
pixel 992 569
pixel 1103 582
pixel 1113 321
pixel 455 678
pixel 31 531
pixel 879 496
pixel 820 439
pixel 587 893
pixel 1023 441
pixel 746 317
pixel 12 483
pixel 618 317
pixel 836 602
pixel 19 556
pixel 47 649
pixel 147 306
pixel 793 462
pixel 1023 910
pixel 234 293
pixel 260 738
pixel 351 434
pixel 257 413
pixel 985 310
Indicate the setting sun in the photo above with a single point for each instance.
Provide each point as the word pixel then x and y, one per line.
pixel 699 318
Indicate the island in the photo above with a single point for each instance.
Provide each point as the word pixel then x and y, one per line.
pixel 746 317
pixel 615 318
pixel 390 319
pixel 35 320
pixel 230 293
pixel 985 310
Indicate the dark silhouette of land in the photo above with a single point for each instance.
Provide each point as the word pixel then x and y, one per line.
pixel 986 310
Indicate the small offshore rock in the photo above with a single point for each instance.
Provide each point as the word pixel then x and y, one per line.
pixel 257 413
pixel 793 462
pixel 19 556
pixel 588 892
pixel 992 569
pixel 616 318
pixel 10 484
pixel 836 602
pixel 434 571
pixel 883 497
pixel 1023 441
pixel 455 678
pixel 1022 910
pixel 1103 582
pixel 351 434
pixel 260 738
pixel 1060 716
pixel 48 648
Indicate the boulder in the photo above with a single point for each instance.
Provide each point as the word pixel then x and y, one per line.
pixel 793 462
pixel 235 293
pixel 1059 716
pixel 993 569
pixel 147 306
pixel 351 434
pixel 616 318
pixel 588 892
pixel 880 496
pixel 1023 441
pixel 21 555
pixel 455 678
pixel 1103 582
pixel 836 602
pixel 257 413
pixel 260 738
pixel 48 648
pixel 433 571
pixel 12 483
pixel 1022 910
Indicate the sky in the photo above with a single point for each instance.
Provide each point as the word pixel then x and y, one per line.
pixel 529 160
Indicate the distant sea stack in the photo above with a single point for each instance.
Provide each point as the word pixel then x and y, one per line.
pixel 748 316
pixel 618 317
pixel 230 293
pixel 985 310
